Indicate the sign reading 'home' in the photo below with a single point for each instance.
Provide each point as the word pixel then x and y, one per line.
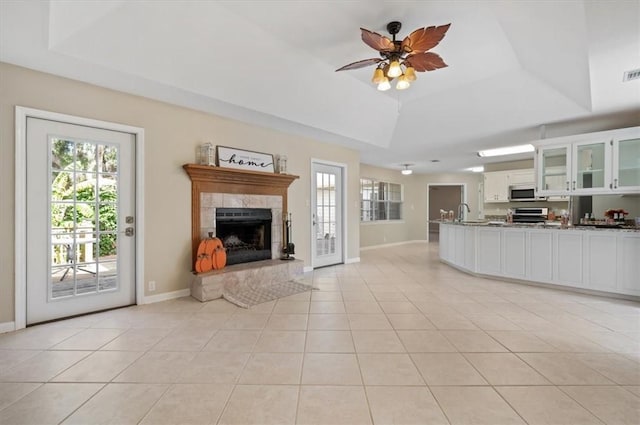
pixel 244 160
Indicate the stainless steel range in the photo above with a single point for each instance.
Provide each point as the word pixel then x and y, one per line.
pixel 530 215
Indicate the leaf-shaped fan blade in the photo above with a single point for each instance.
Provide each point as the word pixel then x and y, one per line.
pixel 424 39
pixel 377 41
pixel 360 64
pixel 426 61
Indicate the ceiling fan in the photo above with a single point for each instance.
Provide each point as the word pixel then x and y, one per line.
pixel 410 53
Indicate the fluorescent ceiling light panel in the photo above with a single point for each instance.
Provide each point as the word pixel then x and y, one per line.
pixel 509 150
pixel 479 169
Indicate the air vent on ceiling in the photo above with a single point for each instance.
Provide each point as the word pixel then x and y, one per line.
pixel 634 74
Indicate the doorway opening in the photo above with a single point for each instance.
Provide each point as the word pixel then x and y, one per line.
pixel 445 197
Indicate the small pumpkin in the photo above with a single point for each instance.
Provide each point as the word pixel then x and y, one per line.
pixel 211 255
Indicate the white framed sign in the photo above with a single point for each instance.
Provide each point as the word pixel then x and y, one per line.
pixel 244 160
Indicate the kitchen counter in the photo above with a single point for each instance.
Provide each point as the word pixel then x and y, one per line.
pixel 546 225
pixel 585 258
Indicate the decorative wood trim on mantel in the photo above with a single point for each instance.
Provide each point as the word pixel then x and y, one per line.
pixel 208 179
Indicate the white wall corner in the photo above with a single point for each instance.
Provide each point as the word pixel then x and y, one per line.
pixel 7 327
pixel 150 299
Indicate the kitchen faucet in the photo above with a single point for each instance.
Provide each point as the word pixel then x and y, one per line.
pixel 460 210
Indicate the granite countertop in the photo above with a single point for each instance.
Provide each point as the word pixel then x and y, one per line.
pixel 546 225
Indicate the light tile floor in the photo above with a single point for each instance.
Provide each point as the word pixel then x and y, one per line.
pixel 399 338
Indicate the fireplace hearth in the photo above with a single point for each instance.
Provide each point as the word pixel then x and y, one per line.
pixel 245 233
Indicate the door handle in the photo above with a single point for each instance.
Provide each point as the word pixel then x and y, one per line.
pixel 574 185
pixel 615 183
pixel 128 231
pixel 567 185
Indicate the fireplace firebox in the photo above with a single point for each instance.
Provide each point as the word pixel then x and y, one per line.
pixel 245 233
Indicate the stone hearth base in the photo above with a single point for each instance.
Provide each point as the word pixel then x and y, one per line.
pixel 209 286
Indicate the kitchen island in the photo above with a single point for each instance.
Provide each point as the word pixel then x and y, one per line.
pixel 591 259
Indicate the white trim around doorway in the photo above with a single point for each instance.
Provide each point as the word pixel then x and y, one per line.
pixel 20 264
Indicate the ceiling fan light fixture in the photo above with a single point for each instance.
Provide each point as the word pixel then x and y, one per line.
pixel 384 85
pixel 394 69
pixel 378 76
pixel 403 83
pixel 406 171
pixel 410 73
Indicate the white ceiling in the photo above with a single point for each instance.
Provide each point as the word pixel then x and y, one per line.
pixel 513 66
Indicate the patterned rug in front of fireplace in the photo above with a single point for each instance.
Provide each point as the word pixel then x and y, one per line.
pixel 248 295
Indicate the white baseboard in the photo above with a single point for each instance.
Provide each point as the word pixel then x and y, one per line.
pixel 150 299
pixel 7 327
pixel 352 260
pixel 366 248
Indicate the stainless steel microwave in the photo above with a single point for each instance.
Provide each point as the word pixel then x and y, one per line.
pixel 524 193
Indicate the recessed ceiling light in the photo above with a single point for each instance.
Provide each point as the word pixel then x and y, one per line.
pixel 509 150
pixel 478 169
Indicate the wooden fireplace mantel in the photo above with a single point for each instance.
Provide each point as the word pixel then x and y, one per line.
pixel 208 179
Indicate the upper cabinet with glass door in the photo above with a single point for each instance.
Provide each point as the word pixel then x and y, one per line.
pixel 626 164
pixel 591 167
pixel 553 170
pixel 595 163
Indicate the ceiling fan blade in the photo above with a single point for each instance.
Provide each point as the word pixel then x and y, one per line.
pixel 360 64
pixel 424 39
pixel 425 61
pixel 377 41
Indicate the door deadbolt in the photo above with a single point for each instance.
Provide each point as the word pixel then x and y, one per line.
pixel 129 219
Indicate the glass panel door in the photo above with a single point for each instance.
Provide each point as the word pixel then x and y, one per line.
pixel 555 169
pixel 80 219
pixel 83 217
pixel 327 215
pixel 591 165
pixel 628 164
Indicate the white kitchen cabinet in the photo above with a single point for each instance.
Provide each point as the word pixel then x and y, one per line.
pixel 496 186
pixel 451 244
pixel 514 248
pixel 591 167
pixel 489 250
pixel 596 163
pixel 470 248
pixel 626 164
pixel 629 263
pixel 540 256
pixel 443 239
pixel 553 170
pixel 606 261
pixel 459 244
pixel 602 254
pixel 569 258
pixel 521 177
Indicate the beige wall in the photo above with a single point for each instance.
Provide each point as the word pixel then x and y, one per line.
pixel 171 136
pixel 414 226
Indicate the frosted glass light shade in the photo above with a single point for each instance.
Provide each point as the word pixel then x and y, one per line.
pixel 384 85
pixel 394 69
pixel 403 83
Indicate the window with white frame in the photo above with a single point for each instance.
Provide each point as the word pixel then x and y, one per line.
pixel 380 201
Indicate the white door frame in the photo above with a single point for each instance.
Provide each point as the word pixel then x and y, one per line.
pixel 343 189
pixel 464 199
pixel 20 264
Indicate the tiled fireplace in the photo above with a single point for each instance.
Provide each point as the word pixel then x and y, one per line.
pixel 217 196
pixel 212 204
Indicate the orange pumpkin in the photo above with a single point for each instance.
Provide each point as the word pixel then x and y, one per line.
pixel 211 255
